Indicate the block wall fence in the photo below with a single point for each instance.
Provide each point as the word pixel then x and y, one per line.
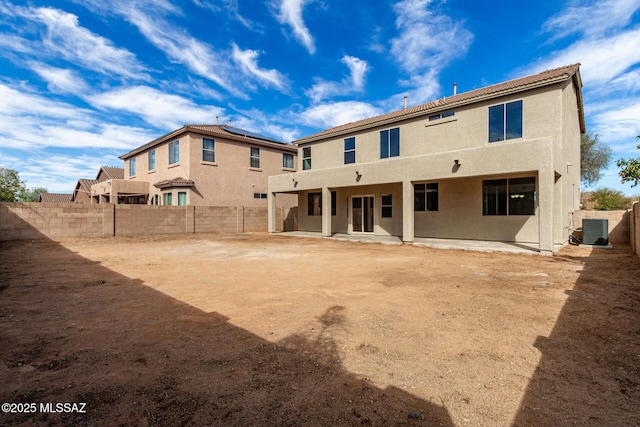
pixel 19 221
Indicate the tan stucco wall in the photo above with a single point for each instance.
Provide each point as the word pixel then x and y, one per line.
pixel 227 182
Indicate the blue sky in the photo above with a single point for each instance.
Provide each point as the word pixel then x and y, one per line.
pixel 82 82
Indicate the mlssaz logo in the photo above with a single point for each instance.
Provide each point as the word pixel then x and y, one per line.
pixel 78 408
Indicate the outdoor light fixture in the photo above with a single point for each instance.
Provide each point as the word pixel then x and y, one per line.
pixel 456 162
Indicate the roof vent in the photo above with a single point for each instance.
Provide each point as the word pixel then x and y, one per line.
pixel 455 89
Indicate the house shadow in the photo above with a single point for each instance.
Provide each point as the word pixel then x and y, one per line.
pixel 589 372
pixel 73 331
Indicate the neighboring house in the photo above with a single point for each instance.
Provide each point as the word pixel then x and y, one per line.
pixel 499 163
pixel 82 192
pixel 206 165
pixel 108 188
pixel 54 198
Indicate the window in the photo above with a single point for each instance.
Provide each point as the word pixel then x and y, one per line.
pixel 208 150
pixel 306 158
pixel 349 150
pixel 174 152
pixel 390 143
pixel 167 199
pixel 132 166
pixel 287 161
pixel 152 160
pixel 505 121
pixel 314 204
pixel 386 206
pixel 182 198
pixel 259 195
pixel 254 159
pixel 442 115
pixel 515 196
pixel 425 197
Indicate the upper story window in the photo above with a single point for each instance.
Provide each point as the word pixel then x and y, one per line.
pixel 132 166
pixel 152 160
pixel 390 143
pixel 505 121
pixel 442 115
pixel 287 160
pixel 515 196
pixel 349 150
pixel 425 197
pixel 254 158
pixel 306 158
pixel 208 150
pixel 174 152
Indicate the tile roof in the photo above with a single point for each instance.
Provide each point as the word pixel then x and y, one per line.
pixel 112 172
pixel 544 78
pixel 224 131
pixel 83 185
pixel 55 198
pixel 174 182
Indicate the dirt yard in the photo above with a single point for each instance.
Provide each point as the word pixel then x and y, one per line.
pixel 270 330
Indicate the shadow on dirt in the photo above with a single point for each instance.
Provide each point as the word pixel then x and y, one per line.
pixel 78 332
pixel 589 374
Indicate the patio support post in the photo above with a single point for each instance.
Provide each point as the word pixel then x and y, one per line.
pixel 408 222
pixel 271 212
pixel 545 211
pixel 326 212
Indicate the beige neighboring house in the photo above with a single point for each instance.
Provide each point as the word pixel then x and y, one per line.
pixel 110 188
pixel 82 191
pixel 205 165
pixel 500 163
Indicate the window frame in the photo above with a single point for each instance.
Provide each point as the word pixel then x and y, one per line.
pixel 167 197
pixel 508 201
pixel 387 205
pixel 285 163
pixel 254 157
pixel 390 143
pixel 429 202
pixel 151 160
pixel 182 202
pixel 350 150
pixel 306 158
pixel 506 121
pixel 132 167
pixel 174 152
pixel 209 151
pixel 311 199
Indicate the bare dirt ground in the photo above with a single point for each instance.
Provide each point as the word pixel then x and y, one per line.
pixel 272 330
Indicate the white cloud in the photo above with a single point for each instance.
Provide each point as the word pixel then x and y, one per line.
pixel 427 39
pixel 232 8
pixel 248 61
pixel 337 113
pixel 602 59
pixel 64 37
pixel 354 82
pixel 60 80
pixel 618 122
pixel 593 19
pixel 20 104
pixel 290 13
pixel 159 109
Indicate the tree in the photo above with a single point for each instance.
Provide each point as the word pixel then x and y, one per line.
pixel 607 199
pixel 595 155
pixel 630 169
pixel 11 187
pixel 32 195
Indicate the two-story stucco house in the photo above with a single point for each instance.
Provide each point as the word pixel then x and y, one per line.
pixel 500 163
pixel 205 165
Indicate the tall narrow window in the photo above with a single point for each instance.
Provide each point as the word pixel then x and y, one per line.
pixel 387 206
pixel 306 158
pixel 314 204
pixel 287 161
pixel 167 199
pixel 208 150
pixel 132 167
pixel 349 150
pixel 390 143
pixel 152 160
pixel 174 152
pixel 182 198
pixel 505 121
pixel 254 159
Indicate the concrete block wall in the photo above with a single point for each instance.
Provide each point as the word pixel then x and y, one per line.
pixel 634 225
pixel 54 220
pixel 62 220
pixel 619 223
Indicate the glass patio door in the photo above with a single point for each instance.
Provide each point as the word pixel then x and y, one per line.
pixel 362 214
